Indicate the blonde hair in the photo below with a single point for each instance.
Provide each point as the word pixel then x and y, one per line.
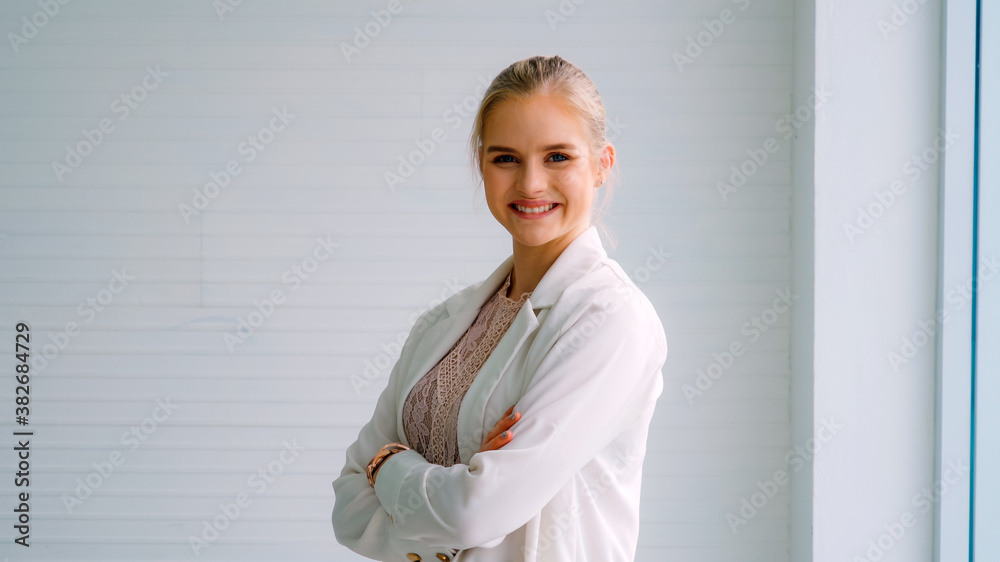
pixel 541 75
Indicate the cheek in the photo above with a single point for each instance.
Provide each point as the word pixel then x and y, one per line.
pixel 573 179
pixel 493 187
pixel 495 177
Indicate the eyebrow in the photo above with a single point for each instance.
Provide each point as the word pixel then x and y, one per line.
pixel 561 146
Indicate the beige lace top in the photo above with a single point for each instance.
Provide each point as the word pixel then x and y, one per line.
pixel 430 412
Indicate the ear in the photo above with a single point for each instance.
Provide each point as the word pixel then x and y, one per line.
pixel 605 160
pixel 607 157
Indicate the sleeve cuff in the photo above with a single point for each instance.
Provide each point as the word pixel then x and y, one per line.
pixel 389 480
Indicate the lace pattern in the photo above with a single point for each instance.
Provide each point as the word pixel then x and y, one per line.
pixel 430 412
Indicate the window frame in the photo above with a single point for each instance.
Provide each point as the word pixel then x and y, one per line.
pixel 957 260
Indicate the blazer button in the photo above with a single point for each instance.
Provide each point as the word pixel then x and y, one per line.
pixel 413 557
pixel 442 557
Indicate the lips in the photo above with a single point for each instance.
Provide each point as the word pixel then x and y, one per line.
pixel 536 209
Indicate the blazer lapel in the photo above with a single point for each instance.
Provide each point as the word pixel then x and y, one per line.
pixel 472 412
pixel 459 313
pixel 582 254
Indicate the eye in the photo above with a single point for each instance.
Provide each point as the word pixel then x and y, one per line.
pixel 501 159
pixel 560 157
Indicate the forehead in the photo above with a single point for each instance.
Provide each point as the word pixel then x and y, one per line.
pixel 536 121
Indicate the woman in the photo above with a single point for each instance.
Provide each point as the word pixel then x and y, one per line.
pixel 557 344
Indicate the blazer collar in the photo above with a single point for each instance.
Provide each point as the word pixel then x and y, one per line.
pixel 578 258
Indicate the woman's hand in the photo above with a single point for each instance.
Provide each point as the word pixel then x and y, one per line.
pixel 501 434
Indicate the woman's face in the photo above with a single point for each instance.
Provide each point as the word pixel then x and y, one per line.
pixel 536 155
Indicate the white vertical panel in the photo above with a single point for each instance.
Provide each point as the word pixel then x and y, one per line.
pixel 986 513
pixel 955 356
pixel 679 128
pixel 876 282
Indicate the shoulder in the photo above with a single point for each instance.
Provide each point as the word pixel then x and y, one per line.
pixel 601 325
pixel 606 300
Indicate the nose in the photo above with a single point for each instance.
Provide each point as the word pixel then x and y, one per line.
pixel 533 180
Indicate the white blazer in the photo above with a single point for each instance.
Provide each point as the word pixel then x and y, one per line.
pixel 582 360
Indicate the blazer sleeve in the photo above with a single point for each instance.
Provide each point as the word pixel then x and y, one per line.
pixel 603 370
pixel 359 521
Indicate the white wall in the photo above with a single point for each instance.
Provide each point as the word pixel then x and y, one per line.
pixel 874 289
pixel 680 130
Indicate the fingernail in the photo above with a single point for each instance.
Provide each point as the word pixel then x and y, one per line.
pixel 512 415
pixel 503 435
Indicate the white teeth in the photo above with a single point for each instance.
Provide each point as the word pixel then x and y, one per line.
pixel 533 210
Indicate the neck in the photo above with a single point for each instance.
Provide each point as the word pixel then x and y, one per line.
pixel 531 262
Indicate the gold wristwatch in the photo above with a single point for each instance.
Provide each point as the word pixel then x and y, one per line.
pixel 380 457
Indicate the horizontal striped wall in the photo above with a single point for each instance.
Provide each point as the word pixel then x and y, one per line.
pixel 154 288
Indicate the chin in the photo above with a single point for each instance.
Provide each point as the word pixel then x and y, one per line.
pixel 532 241
pixel 534 236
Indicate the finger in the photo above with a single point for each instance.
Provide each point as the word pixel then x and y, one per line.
pixel 498 441
pixel 497 430
pixel 502 425
pixel 503 417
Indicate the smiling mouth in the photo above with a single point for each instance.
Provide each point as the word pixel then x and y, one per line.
pixel 534 210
